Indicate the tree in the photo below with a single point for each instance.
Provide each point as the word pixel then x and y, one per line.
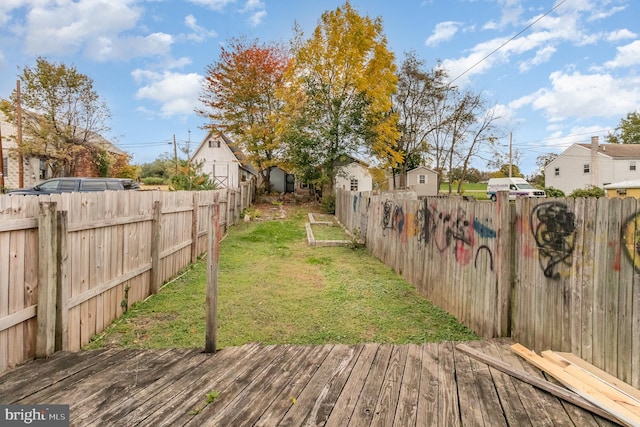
pixel 240 97
pixel 628 131
pixel 503 172
pixel 417 88
pixel 541 162
pixel 189 177
pixel 63 115
pixel 339 95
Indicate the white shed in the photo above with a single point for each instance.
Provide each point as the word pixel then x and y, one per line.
pixel 354 176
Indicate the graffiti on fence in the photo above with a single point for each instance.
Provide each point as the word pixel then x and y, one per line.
pixel 553 227
pixel 483 230
pixel 631 240
pixel 484 248
pixel 393 218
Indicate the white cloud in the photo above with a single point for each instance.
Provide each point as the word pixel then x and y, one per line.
pixel 104 49
pixel 627 56
pixel 213 4
pixel 443 32
pixel 583 96
pixel 199 33
pixel 620 35
pixel 177 93
pixel 65 27
pixel 257 18
pixel 542 55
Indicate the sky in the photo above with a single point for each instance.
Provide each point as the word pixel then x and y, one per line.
pixel 557 71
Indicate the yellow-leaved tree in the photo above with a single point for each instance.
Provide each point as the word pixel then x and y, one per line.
pixel 338 96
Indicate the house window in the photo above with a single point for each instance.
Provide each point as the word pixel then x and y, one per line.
pixel 586 168
pixel 354 184
pixel 213 144
pixel 622 191
pixel 557 172
pixel 422 179
pixel 632 165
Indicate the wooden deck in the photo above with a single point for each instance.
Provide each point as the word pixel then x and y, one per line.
pixel 291 385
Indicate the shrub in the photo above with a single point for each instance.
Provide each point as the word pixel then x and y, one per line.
pixel 591 191
pixel 554 192
pixel 153 180
pixel 328 204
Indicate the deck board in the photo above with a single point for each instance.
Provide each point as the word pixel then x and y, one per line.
pixel 291 385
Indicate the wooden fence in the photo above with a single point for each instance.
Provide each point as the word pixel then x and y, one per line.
pixel 71 263
pixel 559 274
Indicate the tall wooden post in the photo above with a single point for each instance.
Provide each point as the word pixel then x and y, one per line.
pixel 1 164
pixel 47 280
pixel 213 255
pixel 154 286
pixel 63 284
pixel 194 227
pixel 19 136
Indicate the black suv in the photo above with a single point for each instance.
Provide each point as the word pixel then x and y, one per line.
pixel 67 185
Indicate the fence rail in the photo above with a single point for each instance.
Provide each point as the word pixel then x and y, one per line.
pixel 70 264
pixel 557 274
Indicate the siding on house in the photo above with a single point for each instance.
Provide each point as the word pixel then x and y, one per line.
pixel 623 189
pixel 427 188
pixel 34 170
pixel 354 177
pixel 607 163
pixel 222 161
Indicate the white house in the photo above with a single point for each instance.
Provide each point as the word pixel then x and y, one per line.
pixel 422 180
pixel 223 161
pixel 354 176
pixel 584 165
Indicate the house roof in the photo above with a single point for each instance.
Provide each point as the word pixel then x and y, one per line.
pixel 235 150
pixel 617 151
pixel 623 184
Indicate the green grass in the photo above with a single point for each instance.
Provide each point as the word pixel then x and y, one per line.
pixel 477 190
pixel 324 232
pixel 275 289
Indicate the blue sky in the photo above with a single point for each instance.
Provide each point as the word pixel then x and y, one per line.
pixel 572 75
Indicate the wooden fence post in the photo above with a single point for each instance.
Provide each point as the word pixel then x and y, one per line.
pixel 154 286
pixel 213 254
pixel 194 227
pixel 504 263
pixel 47 277
pixel 62 294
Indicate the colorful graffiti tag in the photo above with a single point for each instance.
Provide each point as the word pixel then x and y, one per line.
pixel 631 240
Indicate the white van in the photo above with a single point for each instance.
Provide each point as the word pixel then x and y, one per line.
pixel 517 187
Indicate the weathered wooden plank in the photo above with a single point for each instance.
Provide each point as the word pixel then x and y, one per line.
pixel 612 286
pixel 315 401
pixel 365 406
pixel 284 400
pixel 344 408
pixel 438 403
pixel 81 378
pixel 591 394
pixel 39 374
pixel 385 410
pixel 122 390
pixel 471 411
pixel 407 410
pixel 227 384
pixel 625 313
pixel 252 401
pixel 180 384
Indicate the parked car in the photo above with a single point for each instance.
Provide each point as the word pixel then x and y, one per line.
pixel 67 185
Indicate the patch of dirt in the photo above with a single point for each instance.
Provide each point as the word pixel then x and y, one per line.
pixel 280 206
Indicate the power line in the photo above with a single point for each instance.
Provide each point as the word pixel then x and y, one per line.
pixel 508 41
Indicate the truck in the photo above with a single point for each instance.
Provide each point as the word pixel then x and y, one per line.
pixel 517 187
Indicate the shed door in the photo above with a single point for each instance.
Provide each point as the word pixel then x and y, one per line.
pixel 290 183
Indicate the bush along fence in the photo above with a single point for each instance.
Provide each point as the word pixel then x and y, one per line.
pixel 558 274
pixel 70 264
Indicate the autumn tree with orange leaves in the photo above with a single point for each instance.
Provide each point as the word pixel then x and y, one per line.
pixel 240 99
pixel 339 96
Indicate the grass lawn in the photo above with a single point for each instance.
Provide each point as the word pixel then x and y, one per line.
pixel 477 190
pixel 275 289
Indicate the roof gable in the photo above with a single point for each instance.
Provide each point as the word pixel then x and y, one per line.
pixel 616 151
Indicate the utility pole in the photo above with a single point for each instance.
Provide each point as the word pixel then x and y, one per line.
pixel 510 153
pixel 19 137
pixel 175 152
